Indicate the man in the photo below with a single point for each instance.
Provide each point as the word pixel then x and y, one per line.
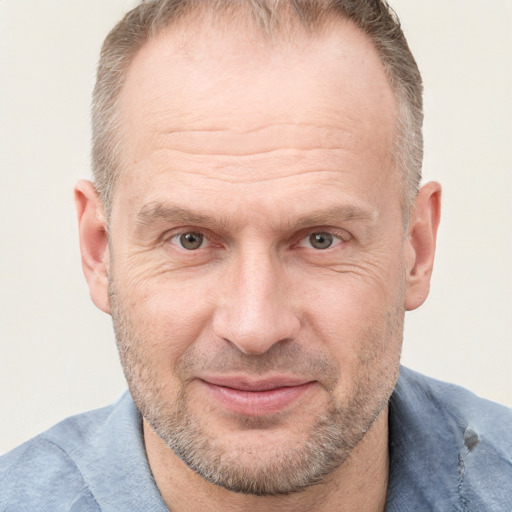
pixel 257 231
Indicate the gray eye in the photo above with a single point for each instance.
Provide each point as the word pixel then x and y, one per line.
pixel 191 241
pixel 321 240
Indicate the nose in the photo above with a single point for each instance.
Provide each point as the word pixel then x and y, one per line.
pixel 254 311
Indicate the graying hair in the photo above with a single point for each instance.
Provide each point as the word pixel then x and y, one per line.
pixel 373 17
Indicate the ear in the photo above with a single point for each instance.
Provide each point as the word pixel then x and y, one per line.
pixel 421 243
pixel 92 227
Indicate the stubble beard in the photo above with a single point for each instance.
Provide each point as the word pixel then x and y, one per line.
pixel 264 470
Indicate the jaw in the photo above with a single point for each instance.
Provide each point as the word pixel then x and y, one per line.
pixel 359 483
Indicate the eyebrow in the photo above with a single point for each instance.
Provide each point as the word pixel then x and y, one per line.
pixel 174 214
pixel 335 214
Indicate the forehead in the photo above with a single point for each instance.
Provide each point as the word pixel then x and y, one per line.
pixel 224 102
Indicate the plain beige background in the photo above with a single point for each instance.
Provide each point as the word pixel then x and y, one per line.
pixel 57 353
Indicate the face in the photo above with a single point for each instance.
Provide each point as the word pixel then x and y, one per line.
pixel 257 253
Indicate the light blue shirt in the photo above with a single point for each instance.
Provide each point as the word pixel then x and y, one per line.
pixel 449 451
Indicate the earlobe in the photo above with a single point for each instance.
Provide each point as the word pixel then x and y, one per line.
pixel 92 227
pixel 421 244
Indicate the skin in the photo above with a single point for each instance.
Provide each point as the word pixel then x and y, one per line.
pixel 257 154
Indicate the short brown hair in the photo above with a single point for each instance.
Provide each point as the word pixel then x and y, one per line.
pixel 374 17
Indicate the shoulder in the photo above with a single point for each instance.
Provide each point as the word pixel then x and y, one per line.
pixel 42 474
pixel 90 462
pixel 449 446
pixel 447 403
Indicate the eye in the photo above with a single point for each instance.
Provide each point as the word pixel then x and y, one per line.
pixel 189 241
pixel 321 240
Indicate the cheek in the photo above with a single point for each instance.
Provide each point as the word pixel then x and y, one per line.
pixel 166 316
pixel 359 322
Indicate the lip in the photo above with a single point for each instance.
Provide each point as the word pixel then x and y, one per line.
pixel 256 397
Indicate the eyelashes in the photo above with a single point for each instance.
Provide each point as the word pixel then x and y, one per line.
pixel 194 240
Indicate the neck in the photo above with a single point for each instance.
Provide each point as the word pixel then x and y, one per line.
pixel 360 483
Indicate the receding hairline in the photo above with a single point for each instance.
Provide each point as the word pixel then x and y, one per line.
pixel 175 36
pixel 229 17
pixel 283 18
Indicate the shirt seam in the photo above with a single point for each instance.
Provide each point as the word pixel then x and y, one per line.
pixel 69 458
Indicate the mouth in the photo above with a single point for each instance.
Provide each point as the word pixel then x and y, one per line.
pixel 256 397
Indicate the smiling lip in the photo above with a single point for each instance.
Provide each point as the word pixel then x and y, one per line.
pixel 256 397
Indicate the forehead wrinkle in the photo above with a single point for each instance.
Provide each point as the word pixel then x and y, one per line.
pixel 262 140
pixel 243 154
pixel 284 164
pixel 234 175
pixel 214 126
